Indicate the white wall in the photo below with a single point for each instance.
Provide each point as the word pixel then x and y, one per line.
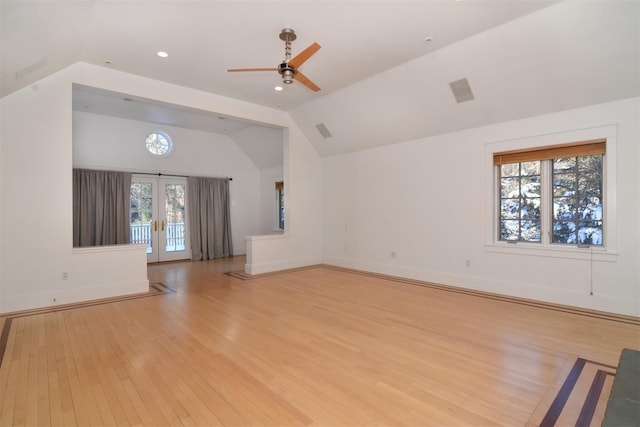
pixel 426 201
pixel 1 181
pixel 104 142
pixel 301 243
pixel 36 248
pixel 36 194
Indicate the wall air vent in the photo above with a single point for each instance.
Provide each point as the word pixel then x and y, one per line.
pixel 323 130
pixel 461 90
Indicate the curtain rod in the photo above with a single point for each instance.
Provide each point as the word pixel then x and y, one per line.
pixel 168 174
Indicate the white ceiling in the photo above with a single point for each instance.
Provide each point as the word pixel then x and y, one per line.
pixel 381 81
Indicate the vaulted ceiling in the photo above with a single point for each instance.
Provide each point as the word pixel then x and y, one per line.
pixel 385 67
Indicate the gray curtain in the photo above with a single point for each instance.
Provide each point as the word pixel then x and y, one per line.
pixel 209 218
pixel 101 202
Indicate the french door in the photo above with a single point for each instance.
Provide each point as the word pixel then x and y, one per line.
pixel 158 217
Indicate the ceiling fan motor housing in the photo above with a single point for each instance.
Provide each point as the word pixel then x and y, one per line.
pixel 287 73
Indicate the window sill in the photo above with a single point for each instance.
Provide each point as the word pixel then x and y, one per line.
pixel 571 252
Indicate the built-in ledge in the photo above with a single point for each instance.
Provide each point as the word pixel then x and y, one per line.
pixel 110 248
pixel 266 237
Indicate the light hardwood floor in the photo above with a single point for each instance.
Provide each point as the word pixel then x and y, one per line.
pixel 316 346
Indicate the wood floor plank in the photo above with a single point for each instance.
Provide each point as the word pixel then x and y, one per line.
pixel 51 353
pixel 20 407
pixel 309 347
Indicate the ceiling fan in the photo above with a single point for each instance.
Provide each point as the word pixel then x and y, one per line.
pixel 288 69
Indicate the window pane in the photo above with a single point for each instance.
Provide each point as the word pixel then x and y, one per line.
pixel 510 169
pixel 590 233
pixel 530 186
pixel 564 209
pixel 158 143
pixel 174 208
pixel 530 168
pixel 591 165
pixel 564 164
pixel 564 185
pixel 510 188
pixel 590 175
pixel 509 230
pixel 281 208
pixel 140 211
pixel 531 209
pixel 564 232
pixel 530 231
pixel 590 208
pixel 510 209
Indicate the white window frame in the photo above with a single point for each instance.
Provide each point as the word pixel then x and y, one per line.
pixel 277 208
pixel 606 252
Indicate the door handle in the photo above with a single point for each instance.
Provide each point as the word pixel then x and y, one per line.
pixel 162 229
pixel 155 225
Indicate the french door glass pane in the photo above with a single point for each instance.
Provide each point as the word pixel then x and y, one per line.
pixel 175 217
pixel 141 213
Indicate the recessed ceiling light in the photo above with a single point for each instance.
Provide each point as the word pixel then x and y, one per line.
pixel 278 88
pixel 162 54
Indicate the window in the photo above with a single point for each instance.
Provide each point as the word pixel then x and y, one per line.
pixel 520 201
pixel 159 144
pixel 552 194
pixel 280 204
pixel 577 200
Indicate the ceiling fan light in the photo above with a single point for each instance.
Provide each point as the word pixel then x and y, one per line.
pixel 287 76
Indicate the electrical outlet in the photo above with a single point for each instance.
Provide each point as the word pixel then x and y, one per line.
pixel 468 263
pixel 65 275
pixel 393 254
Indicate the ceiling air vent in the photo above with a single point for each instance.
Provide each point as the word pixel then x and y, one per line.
pixel 461 90
pixel 323 130
pixel 31 68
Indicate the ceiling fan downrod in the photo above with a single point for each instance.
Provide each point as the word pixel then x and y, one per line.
pixel 287 35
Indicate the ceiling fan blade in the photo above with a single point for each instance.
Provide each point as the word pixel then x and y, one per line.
pixel 305 81
pixel 233 70
pixel 304 55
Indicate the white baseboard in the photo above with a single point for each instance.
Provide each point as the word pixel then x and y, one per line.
pixel 55 297
pixel 254 269
pixel 538 292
